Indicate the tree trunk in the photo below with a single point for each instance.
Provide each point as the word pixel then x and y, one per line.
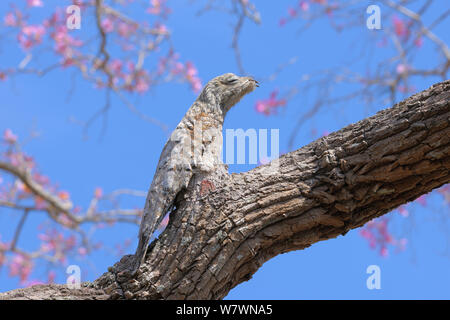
pixel 227 226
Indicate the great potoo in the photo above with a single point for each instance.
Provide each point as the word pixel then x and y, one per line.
pixel 193 148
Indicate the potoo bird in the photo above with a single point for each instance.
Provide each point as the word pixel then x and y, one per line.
pixel 194 147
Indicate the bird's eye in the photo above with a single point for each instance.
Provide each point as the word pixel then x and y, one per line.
pixel 232 80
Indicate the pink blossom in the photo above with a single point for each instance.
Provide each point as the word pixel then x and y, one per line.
pixel 40 178
pixel 51 277
pixel 98 193
pixel 161 28
pixel 270 105
pixel 155 7
pixel 10 20
pixel 39 203
pixel 191 76
pixel 418 42
pixel 3 76
pixel 125 29
pixel 402 244
pixel 141 85
pixel 377 234
pixel 20 266
pixel 177 69
pixel 35 31
pixel 445 191
pixel 399 27
pixel 422 200
pixel 304 5
pixel 30 35
pixel 64 195
pixel 9 136
pixel 107 25
pixel 158 7
pixel 65 44
pixel 35 3
pixel 292 12
pixel 82 251
pixel 402 68
pixel 403 211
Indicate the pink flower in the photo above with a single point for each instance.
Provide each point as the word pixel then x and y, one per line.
pixel 107 25
pixel 191 76
pixel 35 3
pixel 35 31
pixel 402 244
pixel 292 12
pixel 270 105
pixel 63 195
pixel 304 5
pixel 403 211
pixel 20 266
pixel 9 136
pixel 116 66
pixel 51 277
pixel 39 203
pixel 10 20
pixel 158 7
pixel 402 68
pixel 82 251
pixel 125 29
pixel 30 35
pixel 422 200
pixel 399 27
pixel 161 28
pixel 98 193
pixel 141 85
pixel 418 42
pixel 177 69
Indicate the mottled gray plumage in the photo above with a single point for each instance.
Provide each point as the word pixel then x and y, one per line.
pixel 194 147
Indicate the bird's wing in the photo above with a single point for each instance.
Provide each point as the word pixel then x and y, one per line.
pixel 173 174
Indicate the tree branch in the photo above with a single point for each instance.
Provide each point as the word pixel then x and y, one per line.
pixel 219 237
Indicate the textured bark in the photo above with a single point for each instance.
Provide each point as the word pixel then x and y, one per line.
pixel 227 226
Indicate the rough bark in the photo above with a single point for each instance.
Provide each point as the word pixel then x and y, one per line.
pixel 227 226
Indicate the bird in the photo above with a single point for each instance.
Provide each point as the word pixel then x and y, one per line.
pixel 194 147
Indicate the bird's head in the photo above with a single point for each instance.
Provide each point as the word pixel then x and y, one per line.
pixel 226 90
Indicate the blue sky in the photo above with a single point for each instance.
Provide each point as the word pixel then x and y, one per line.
pixel 126 155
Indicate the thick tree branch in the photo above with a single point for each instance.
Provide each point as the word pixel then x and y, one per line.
pixel 220 235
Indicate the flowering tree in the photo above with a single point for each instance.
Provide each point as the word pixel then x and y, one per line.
pixel 130 56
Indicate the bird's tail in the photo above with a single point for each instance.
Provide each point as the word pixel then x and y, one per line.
pixel 141 250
